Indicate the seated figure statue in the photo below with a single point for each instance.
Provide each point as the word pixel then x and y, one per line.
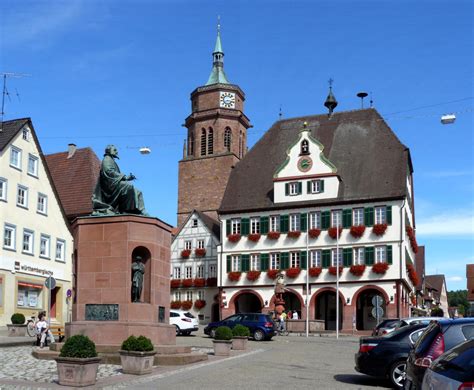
pixel 114 194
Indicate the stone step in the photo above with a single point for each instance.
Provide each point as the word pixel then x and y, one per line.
pixel 160 349
pixel 44 354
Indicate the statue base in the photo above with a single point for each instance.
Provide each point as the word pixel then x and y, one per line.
pixel 279 306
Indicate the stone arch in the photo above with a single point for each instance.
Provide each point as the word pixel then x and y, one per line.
pixel 322 304
pixel 370 287
pixel 362 303
pixel 302 312
pixel 145 255
pixel 232 302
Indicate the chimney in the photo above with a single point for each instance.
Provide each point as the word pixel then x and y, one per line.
pixel 71 149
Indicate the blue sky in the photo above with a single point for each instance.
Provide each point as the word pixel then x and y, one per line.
pixel 122 71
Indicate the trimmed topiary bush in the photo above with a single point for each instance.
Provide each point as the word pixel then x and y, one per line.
pixel 17 319
pixel 78 346
pixel 223 333
pixel 240 331
pixel 140 344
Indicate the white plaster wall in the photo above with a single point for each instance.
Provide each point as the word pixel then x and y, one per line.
pixel 331 188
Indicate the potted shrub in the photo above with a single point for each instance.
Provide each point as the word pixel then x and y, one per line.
pixel 253 275
pixel 186 305
pixel 272 273
pixel 357 231
pixel 77 362
pixel 379 229
pixel 222 341
pixel 233 237
pixel 314 233
pixel 357 270
pixel 293 272
pixel 333 270
pixel 333 232
pixel 240 335
pixel 294 234
pixel 315 271
pixel 199 304
pixel 273 235
pixel 185 253
pixel 136 355
pixel 254 237
pixel 18 327
pixel 380 268
pixel 234 276
pixel 175 305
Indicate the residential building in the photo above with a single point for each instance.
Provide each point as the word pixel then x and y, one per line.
pixel 36 241
pixel 470 288
pixel 436 293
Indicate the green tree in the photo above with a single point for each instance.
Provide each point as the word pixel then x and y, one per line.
pixel 459 298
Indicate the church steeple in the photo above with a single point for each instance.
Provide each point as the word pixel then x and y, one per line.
pixel 217 75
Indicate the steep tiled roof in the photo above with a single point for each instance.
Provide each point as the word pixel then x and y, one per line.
pixel 369 158
pixel 75 179
pixel 436 282
pixel 420 266
pixel 9 129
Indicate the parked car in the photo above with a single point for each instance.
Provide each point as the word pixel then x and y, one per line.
pixel 407 321
pixel 381 328
pixel 259 324
pixel 184 322
pixel 440 336
pixel 385 356
pixel 453 370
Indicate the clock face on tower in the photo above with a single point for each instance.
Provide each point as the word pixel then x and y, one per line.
pixel 227 100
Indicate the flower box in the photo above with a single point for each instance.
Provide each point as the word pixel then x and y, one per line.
pixel 175 283
pixel 379 229
pixel 186 305
pixel 211 282
pixel 293 272
pixel 199 304
pixel 234 276
pixel 357 231
pixel 380 268
pixel 188 283
pixel 273 235
pixel 175 305
pixel 199 282
pixel 333 270
pixel 254 237
pixel 200 252
pixel 332 231
pixel 413 275
pixel 253 275
pixel 315 271
pixel 185 253
pixel 272 273
pixel 314 233
pixel 357 270
pixel 233 237
pixel 294 234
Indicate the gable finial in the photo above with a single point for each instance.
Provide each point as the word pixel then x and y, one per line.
pixel 331 102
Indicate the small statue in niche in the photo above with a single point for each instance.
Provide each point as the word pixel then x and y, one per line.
pixel 138 272
pixel 304 147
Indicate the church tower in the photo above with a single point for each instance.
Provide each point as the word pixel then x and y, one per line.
pixel 216 141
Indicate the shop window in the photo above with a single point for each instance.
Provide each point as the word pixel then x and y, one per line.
pixel 29 295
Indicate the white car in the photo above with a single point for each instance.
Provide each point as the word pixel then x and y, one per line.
pixel 184 322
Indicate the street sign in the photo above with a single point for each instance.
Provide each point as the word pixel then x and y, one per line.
pixel 377 312
pixel 377 300
pixel 50 282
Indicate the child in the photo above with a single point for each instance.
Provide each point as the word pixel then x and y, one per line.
pixel 43 330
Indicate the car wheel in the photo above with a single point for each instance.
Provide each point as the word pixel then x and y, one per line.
pixel 258 335
pixel 398 373
pixel 178 332
pixel 212 333
pixel 187 332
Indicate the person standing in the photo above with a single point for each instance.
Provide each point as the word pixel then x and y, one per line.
pixel 282 321
pixel 295 315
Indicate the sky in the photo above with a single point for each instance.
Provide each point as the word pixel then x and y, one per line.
pixel 121 72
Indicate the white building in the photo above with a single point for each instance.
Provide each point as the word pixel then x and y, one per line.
pixel 36 241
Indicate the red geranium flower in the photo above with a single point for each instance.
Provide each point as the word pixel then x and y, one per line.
pixel 357 270
pixel 333 270
pixel 380 268
pixel 199 304
pixel 293 272
pixel 314 233
pixel 186 305
pixel 273 235
pixel 200 282
pixel 234 276
pixel 175 305
pixel 253 275
pixel 379 229
pixel 332 231
pixel 233 237
pixel 211 282
pixel 185 253
pixel 272 273
pixel 294 234
pixel 200 252
pixel 357 231
pixel 188 283
pixel 254 237
pixel 315 271
pixel 175 283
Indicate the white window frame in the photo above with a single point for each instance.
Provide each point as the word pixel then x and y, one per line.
pixel 336 218
pixel 200 271
pixel 254 262
pixel 177 295
pixel 201 295
pixel 380 214
pixel 61 250
pixel 12 236
pixel 380 254
pixel 14 151
pixel 315 220
pixel 200 244
pixel 26 134
pixel 176 272
pixel 3 189
pixel 189 295
pixel 359 255
pixel 23 196
pixel 315 258
pixel 236 225
pixel 358 216
pixel 316 186
pixel 293 188
pixel 43 210
pixel 28 241
pixel 235 263
pixel 255 225
pixel 275 260
pixel 334 253
pixel 35 161
pixel 188 272
pixel 295 222
pixel 188 244
pixel 195 223
pixel 212 271
pixel 46 253
pixel 274 223
pixel 295 259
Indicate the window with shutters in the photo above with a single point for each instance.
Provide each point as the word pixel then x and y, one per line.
pixel 274 261
pixel 359 256
pixel 380 215
pixel 177 273
pixel 295 259
pixel 189 295
pixel 235 226
pixel 274 223
pixel 210 141
pixel 188 245
pixel 188 272
pixel 315 220
pixel 177 295
pixel 316 186
pixel 336 218
pixel 212 271
pixel 295 225
pixel 293 188
pixel 255 262
pixel 200 244
pixel 235 263
pixel 336 257
pixel 201 295
pixel 254 225
pixel 380 254
pixel 200 271
pixel 358 217
pixel 203 142
pixel 315 258
pixel 227 138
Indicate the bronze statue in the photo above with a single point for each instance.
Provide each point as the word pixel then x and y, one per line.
pixel 279 291
pixel 114 194
pixel 138 270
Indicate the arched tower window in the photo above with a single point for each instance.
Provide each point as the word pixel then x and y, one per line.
pixel 203 142
pixel 210 141
pixel 191 145
pixel 227 138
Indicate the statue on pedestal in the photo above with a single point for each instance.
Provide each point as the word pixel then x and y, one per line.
pixel 279 291
pixel 114 194
pixel 138 271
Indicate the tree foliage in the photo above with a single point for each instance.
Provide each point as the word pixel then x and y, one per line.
pixel 459 298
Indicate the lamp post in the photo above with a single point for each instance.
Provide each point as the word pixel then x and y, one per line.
pixel 337 279
pixel 307 274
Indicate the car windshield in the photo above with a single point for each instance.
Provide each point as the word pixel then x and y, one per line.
pixel 189 315
pixel 398 331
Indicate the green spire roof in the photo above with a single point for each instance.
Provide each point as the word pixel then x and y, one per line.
pixel 217 75
pixel 218 48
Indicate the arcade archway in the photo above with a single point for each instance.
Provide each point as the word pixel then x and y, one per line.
pixel 326 309
pixel 365 320
pixel 248 303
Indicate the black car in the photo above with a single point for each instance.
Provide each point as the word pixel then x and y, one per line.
pixel 438 338
pixel 386 323
pixel 385 356
pixel 259 324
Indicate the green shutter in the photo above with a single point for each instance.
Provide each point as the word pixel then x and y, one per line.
pixel 228 227
pixel 389 254
pixel 325 219
pixel 264 225
pixel 308 187
pixel 347 218
pixel 284 224
pixel 369 255
pixel 287 189
pixel 303 259
pixel 347 257
pixel 284 260
pixel 245 263
pixel 326 258
pixel 245 226
pixel 304 222
pixel 322 186
pixel 300 188
pixel 389 215
pixel 229 263
pixel 369 216
pixel 264 261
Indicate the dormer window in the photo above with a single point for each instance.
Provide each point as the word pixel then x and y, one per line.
pixel 304 147
pixel 26 133
pixel 293 189
pixel 315 186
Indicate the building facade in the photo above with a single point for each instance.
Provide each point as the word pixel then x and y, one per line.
pixel 36 241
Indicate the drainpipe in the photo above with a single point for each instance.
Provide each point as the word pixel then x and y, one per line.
pixel 400 253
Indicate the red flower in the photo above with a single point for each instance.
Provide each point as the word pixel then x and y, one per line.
pixel 411 236
pixel 314 233
pixel 175 304
pixel 185 253
pixel 254 237
pixel 357 231
pixel 188 283
pixel 186 305
pixel 293 272
pixel 272 273
pixel 294 234
pixel 379 229
pixel 333 270
pixel 315 271
pixel 175 283
pixel 211 282
pixel 199 304
pixel 200 252
pixel 233 237
pixel 273 235
pixel 332 231
pixel 357 270
pixel 234 276
pixel 413 275
pixel 253 275
pixel 380 268
pixel 200 282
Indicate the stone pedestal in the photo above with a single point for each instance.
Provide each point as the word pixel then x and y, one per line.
pixel 102 303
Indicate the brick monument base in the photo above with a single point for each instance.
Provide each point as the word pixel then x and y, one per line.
pixel 104 249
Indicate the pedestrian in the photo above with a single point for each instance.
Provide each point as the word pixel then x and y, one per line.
pixel 282 322
pixel 295 315
pixel 290 315
pixel 43 330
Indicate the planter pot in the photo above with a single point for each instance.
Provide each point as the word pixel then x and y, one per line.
pixel 77 372
pixel 222 347
pixel 16 330
pixel 137 363
pixel 239 343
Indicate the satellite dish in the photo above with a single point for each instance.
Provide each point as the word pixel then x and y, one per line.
pixel 145 150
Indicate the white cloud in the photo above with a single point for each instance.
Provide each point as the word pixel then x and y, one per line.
pixel 455 223
pixel 448 174
pixel 455 279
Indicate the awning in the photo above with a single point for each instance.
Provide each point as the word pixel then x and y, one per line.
pixel 24 284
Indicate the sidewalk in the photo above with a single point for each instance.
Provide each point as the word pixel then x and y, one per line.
pixel 6 341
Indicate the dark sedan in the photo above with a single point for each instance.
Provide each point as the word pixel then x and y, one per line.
pixel 259 324
pixel 385 356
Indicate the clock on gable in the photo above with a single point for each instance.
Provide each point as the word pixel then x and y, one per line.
pixel 227 100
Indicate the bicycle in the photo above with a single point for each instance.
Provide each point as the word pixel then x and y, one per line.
pixel 30 326
pixel 280 332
